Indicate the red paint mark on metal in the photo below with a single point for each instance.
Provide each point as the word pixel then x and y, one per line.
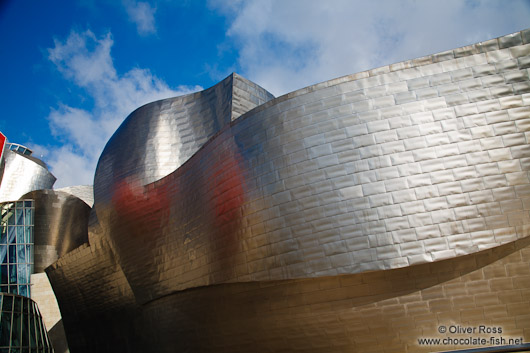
pixel 133 202
pixel 228 189
pixel 228 180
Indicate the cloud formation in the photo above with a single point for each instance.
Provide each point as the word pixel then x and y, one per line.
pixel 285 45
pixel 142 14
pixel 86 60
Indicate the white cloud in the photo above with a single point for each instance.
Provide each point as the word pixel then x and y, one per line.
pixel 285 45
pixel 142 14
pixel 86 60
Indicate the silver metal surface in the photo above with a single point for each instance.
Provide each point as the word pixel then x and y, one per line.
pixel 61 225
pixel 159 137
pixel 23 174
pixel 356 179
pixel 84 192
pixel 355 174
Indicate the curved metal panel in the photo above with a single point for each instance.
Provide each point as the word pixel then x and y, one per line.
pixel 61 225
pixel 301 219
pixel 401 165
pixel 84 192
pixel 93 301
pixel 23 174
pixel 346 313
pixel 159 137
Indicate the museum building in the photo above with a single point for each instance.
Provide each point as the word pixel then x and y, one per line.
pixel 379 211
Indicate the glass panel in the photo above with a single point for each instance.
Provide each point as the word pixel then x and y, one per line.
pixel 20 216
pixel 20 204
pixel 29 234
pixel 12 274
pixel 10 234
pixel 12 254
pixel 3 234
pixel 22 274
pixel 29 254
pixel 4 274
pixel 3 254
pixel 7 303
pixel 11 219
pixel 23 290
pixel 25 325
pixel 37 332
pixel 15 333
pixel 32 341
pixel 28 203
pixel 5 328
pixel 21 253
pixel 20 234
pixel 18 304
pixel 29 216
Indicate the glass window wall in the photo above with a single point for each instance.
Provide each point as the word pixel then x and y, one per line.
pixel 16 246
pixel 21 326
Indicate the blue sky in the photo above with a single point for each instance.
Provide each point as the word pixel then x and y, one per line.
pixel 73 70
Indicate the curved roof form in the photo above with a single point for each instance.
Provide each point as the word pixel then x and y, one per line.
pixel 60 223
pixel 22 174
pixel 397 197
pixel 159 137
pixel 84 192
pixel 392 167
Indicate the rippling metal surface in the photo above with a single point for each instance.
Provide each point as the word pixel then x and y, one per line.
pixel 410 163
pixel 354 179
pixel 159 137
pixel 23 174
pixel 61 225
pixel 84 192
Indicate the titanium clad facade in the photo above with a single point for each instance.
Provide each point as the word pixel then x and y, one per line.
pixel 83 192
pixel 99 311
pixel 362 212
pixel 159 137
pixel 61 223
pixel 22 174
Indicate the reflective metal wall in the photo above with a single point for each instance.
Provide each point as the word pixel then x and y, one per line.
pixel 61 225
pixel 83 192
pixel 379 311
pixel 405 164
pixel 346 215
pixel 23 174
pixel 159 137
pixel 99 311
